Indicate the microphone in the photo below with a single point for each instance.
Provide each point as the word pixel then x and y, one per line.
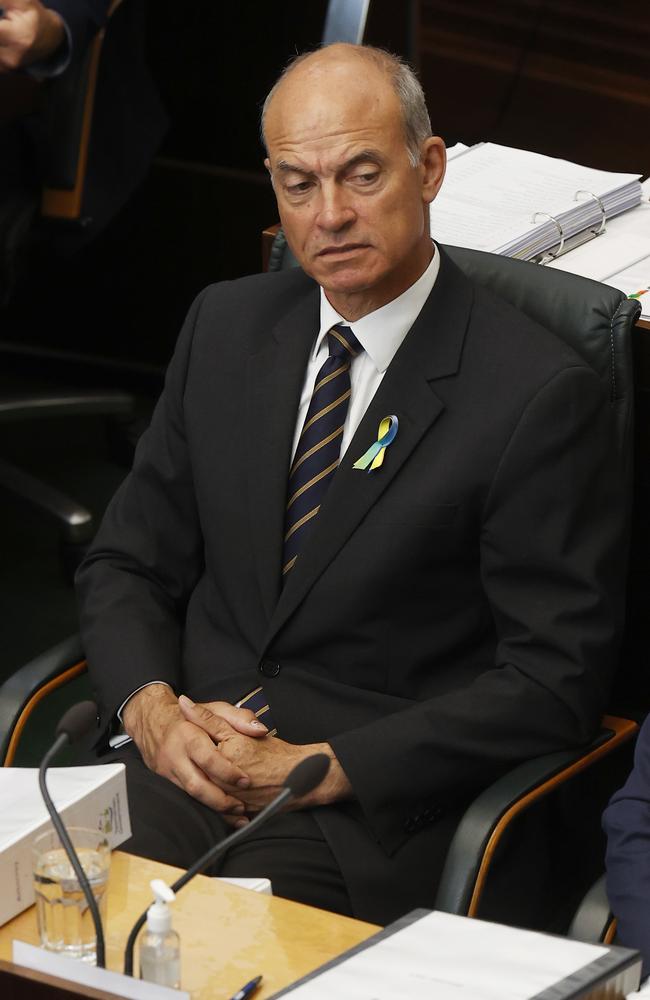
pixel 306 775
pixel 75 723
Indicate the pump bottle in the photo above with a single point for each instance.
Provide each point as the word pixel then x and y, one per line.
pixel 160 955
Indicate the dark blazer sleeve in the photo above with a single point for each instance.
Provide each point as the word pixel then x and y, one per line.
pixel 132 597
pixel 627 825
pixel 552 555
pixel 83 18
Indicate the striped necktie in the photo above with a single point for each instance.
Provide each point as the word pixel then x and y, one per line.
pixel 319 446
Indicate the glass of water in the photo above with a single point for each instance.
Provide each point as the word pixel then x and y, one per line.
pixel 65 922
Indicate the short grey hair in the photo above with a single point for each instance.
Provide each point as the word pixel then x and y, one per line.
pixel 407 88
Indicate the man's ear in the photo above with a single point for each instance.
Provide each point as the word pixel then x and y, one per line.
pixel 433 164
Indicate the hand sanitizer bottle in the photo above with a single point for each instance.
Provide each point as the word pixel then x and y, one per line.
pixel 160 954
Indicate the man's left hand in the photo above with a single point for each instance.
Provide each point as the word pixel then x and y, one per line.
pixel 268 760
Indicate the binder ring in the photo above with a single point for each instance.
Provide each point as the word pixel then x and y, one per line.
pixel 603 213
pixel 559 229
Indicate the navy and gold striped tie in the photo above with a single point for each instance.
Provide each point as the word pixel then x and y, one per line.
pixel 319 446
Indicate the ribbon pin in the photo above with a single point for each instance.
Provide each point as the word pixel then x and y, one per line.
pixel 374 457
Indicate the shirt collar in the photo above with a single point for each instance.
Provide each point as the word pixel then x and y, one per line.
pixel 381 332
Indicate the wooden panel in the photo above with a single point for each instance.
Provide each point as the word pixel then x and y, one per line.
pixel 570 79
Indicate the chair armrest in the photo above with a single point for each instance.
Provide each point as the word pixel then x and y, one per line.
pixel 593 921
pixel 24 689
pixel 72 404
pixel 473 846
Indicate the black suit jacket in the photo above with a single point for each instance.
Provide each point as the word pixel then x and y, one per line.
pixel 453 613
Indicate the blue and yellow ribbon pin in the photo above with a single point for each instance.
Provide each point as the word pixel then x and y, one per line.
pixel 374 457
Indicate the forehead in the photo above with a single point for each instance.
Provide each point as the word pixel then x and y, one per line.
pixel 332 111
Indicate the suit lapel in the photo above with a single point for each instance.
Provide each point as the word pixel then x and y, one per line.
pixel 431 350
pixel 274 381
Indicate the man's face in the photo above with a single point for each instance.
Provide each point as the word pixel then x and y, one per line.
pixel 352 207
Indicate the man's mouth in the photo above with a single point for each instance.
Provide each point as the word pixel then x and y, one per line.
pixel 344 248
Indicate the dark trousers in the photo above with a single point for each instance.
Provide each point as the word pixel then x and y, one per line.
pixel 170 826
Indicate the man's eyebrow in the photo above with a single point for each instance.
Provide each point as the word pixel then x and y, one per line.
pixel 365 156
pixel 283 166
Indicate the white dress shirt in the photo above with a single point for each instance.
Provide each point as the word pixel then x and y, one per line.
pixel 381 334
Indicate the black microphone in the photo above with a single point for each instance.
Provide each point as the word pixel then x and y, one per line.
pixel 76 722
pixel 306 775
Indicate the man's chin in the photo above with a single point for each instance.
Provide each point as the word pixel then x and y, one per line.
pixel 342 280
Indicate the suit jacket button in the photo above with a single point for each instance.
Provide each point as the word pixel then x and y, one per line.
pixel 269 668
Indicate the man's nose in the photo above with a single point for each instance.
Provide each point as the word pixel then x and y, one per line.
pixel 335 210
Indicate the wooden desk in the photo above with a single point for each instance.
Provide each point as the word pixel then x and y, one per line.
pixel 228 935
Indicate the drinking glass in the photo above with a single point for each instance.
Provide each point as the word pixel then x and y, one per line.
pixel 65 922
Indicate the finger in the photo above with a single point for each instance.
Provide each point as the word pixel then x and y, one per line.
pixel 235 821
pixel 242 720
pixel 218 768
pixel 214 725
pixel 191 779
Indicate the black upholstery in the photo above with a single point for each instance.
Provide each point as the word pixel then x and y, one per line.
pixel 595 319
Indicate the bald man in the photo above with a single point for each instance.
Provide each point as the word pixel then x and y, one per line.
pixel 371 518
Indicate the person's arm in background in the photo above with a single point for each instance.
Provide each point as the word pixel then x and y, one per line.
pixel 41 38
pixel 627 825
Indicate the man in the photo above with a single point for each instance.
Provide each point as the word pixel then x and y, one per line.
pixel 427 621
pixel 627 825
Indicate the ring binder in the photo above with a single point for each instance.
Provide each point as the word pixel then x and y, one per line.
pixel 603 220
pixel 570 243
pixel 552 253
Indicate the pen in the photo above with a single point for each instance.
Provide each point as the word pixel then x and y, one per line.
pixel 248 989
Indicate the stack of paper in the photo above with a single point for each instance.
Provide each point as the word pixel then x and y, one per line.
pixel 522 204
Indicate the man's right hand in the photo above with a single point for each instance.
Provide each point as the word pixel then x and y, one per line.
pixel 187 754
pixel 29 32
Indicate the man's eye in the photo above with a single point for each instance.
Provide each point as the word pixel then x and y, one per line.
pixel 301 188
pixel 366 178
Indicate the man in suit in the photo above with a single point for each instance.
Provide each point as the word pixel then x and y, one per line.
pixel 627 825
pixel 428 621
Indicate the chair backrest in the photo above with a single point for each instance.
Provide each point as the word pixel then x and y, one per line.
pixel 596 320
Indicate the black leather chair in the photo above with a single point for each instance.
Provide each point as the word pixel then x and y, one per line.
pixel 594 921
pixel 526 850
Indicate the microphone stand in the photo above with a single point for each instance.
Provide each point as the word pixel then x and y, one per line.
pixel 203 862
pixel 61 740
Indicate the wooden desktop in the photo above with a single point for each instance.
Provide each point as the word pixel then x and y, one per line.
pixel 228 935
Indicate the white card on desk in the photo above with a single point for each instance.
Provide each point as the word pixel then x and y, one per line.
pixel 40 960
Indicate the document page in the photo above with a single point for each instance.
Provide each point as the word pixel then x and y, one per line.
pixel 452 958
